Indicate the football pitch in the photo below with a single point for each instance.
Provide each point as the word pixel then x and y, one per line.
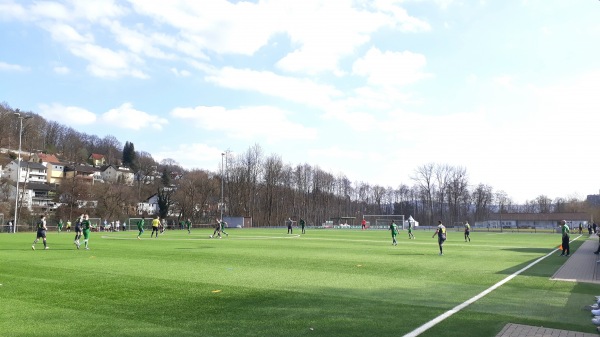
pixel 264 282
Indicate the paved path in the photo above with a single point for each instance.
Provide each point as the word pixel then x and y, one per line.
pixel 580 267
pixel 519 330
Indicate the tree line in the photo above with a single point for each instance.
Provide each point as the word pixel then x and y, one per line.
pixel 259 186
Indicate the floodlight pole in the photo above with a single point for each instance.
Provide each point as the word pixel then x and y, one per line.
pixel 20 117
pixel 222 185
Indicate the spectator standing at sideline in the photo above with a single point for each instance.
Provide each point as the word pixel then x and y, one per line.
pixel 565 238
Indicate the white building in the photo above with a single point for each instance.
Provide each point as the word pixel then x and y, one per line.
pixel 150 206
pixel 34 196
pixel 115 174
pixel 30 172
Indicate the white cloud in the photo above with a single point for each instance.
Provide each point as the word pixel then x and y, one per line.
pixel 70 115
pixel 62 70
pixel 293 89
pixel 95 11
pixel 222 27
pixel 12 67
pixel 267 122
pixel 504 81
pixel 391 68
pixel 180 73
pixel 126 117
pixel 12 11
pixel 191 156
pixel 138 42
pixel 49 10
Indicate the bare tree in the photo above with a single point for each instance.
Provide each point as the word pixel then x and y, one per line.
pixel 423 177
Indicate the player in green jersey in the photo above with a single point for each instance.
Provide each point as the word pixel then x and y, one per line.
pixel 87 228
pixel 140 226
pixel 467 231
pixel 410 228
pixel 394 229
pixel 60 225
pixel 188 224
pixel 223 224
pixel 302 225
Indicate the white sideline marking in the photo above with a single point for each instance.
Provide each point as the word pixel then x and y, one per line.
pixel 291 236
pixel 472 300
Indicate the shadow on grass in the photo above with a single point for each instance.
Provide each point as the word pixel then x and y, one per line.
pixel 408 254
pixel 193 248
pixel 546 267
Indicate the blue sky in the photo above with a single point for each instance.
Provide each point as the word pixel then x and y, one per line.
pixel 370 89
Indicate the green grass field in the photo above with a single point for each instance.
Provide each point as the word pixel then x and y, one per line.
pixel 263 282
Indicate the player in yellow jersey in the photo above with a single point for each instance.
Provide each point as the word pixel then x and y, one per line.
pixel 155 226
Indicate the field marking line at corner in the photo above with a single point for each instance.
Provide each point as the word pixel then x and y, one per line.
pixel 477 297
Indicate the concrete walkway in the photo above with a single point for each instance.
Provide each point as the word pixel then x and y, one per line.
pixel 580 267
pixel 519 330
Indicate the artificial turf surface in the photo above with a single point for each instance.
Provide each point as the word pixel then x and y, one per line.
pixel 263 282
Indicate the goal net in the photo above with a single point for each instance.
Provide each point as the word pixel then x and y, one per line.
pixel 133 222
pixel 95 223
pixel 384 221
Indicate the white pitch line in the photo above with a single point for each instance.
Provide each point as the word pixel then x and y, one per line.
pixel 472 300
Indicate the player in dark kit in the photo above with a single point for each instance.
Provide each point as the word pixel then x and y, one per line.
pixel 78 230
pixel 41 232
pixel 217 229
pixel 441 233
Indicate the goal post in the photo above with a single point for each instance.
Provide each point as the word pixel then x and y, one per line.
pixel 133 222
pixel 95 223
pixel 383 221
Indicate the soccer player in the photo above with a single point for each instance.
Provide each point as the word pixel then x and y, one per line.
pixel 85 224
pixel 289 225
pixel 363 224
pixel 394 229
pixel 188 224
pixel 163 225
pixel 565 238
pixel 217 229
pixel 155 225
pixel 60 226
pixel 302 224
pixel 467 231
pixel 41 232
pixel 223 224
pixel 78 230
pixel 68 226
pixel 410 234
pixel 441 233
pixel 140 226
